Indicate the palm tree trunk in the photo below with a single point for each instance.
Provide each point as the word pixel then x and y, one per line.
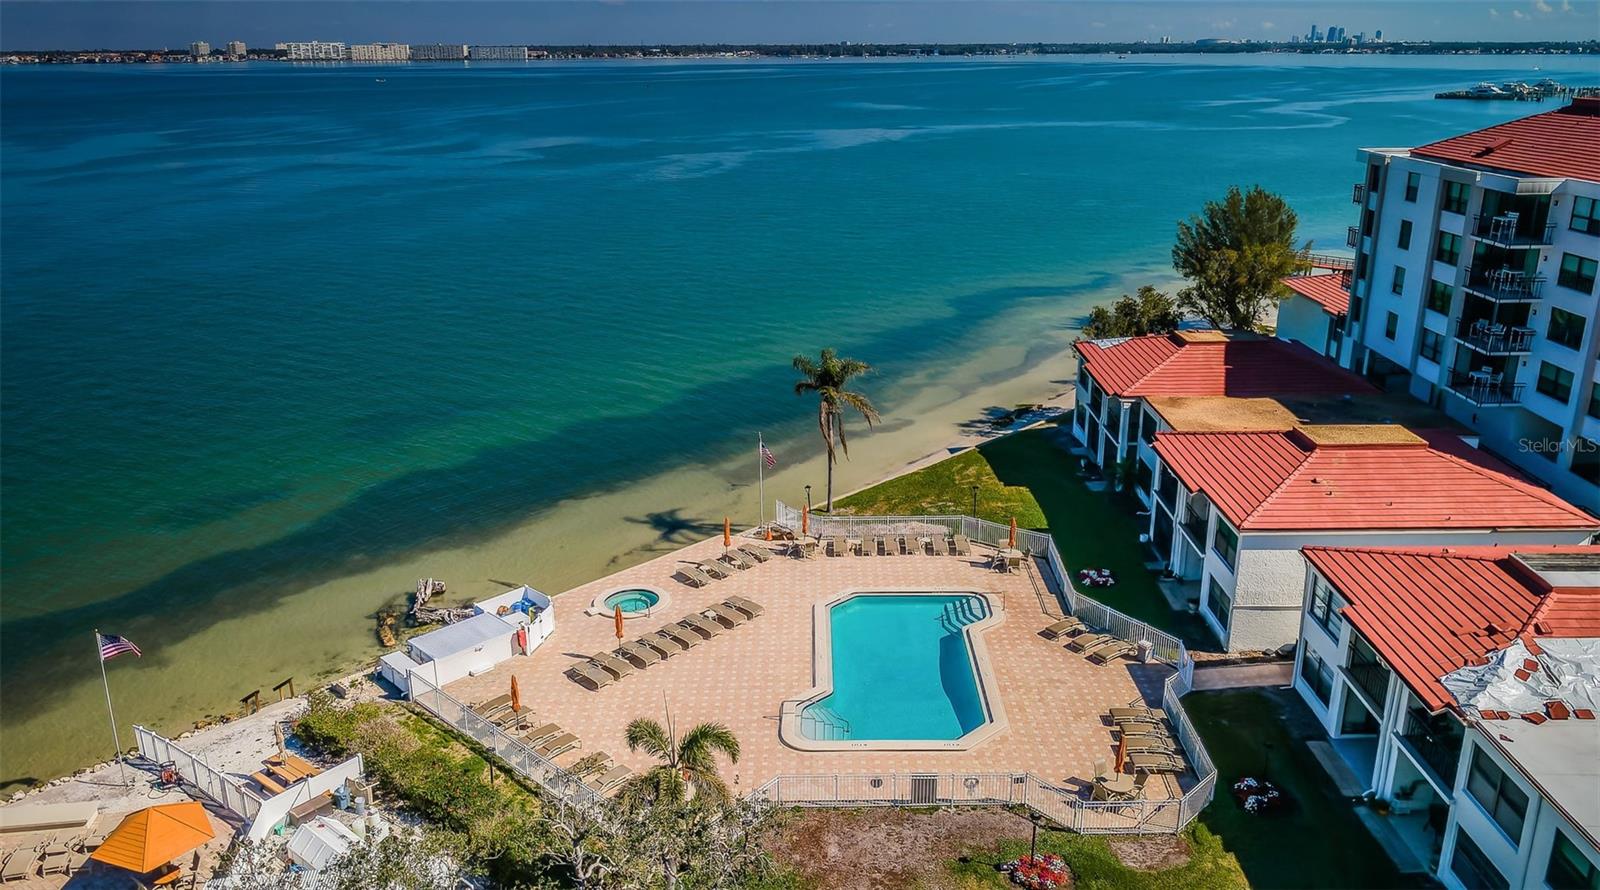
pixel 831 453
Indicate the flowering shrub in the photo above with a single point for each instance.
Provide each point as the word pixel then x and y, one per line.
pixel 1044 872
pixel 1258 795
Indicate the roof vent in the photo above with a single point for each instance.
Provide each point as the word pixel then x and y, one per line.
pixel 1492 147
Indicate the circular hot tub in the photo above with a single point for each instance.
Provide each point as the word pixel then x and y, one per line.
pixel 635 602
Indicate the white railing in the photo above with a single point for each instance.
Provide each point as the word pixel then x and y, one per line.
pixel 524 760
pixel 213 783
pixel 1063 806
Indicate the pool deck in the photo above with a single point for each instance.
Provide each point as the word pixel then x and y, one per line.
pixel 1055 699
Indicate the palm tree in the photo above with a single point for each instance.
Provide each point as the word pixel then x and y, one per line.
pixel 828 378
pixel 686 762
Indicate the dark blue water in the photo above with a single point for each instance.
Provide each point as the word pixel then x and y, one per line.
pixel 266 328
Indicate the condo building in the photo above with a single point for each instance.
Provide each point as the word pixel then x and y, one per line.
pixel 237 48
pixel 316 51
pixel 497 53
pixel 1456 687
pixel 439 52
pixel 379 52
pixel 199 49
pixel 1474 287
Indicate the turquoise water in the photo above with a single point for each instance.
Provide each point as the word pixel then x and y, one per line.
pixel 633 600
pixel 268 328
pixel 901 670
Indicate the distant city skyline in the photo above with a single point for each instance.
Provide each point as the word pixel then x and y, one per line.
pixel 62 24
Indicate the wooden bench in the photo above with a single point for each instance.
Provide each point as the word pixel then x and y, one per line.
pixel 267 783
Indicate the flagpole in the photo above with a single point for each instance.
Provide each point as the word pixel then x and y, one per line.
pixel 115 739
pixel 761 479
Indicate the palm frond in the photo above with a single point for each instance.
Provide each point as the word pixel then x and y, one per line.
pixel 644 734
pixel 698 744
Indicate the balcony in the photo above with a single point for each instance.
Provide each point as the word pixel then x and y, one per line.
pixel 1436 741
pixel 1511 230
pixel 1504 285
pixel 1358 195
pixel 1484 389
pixel 1352 237
pixel 1371 677
pixel 1495 339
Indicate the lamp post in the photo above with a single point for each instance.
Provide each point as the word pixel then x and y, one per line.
pixel 808 497
pixel 974 502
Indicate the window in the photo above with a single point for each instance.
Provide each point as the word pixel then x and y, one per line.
pixel 1585 215
pixel 1413 183
pixel 1439 297
pixel 1432 345
pixel 1566 328
pixel 1586 459
pixel 1147 427
pixel 1554 381
pixel 1391 325
pixel 1318 675
pixel 1455 197
pixel 1577 273
pixel 1219 605
pixel 1499 796
pixel 1449 249
pixel 1355 307
pixel 1472 868
pixel 1594 401
pixel 1324 606
pixel 1143 476
pixel 1398 283
pixel 1404 241
pixel 1083 378
pixel 1226 543
pixel 1569 869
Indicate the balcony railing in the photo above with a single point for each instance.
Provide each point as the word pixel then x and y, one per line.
pixel 1358 194
pixel 1352 237
pixel 1504 285
pixel 1436 739
pixel 1484 390
pixel 1511 230
pixel 1491 339
pixel 1371 678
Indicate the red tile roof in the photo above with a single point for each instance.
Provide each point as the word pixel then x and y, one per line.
pixel 1556 143
pixel 1209 363
pixel 1328 291
pixel 1431 611
pixel 1357 477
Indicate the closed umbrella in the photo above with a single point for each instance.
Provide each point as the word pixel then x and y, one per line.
pixel 727 533
pixel 617 617
pixel 154 836
pixel 516 696
pixel 805 520
pixel 1012 541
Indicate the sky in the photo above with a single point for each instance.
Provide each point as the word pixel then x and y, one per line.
pixel 74 24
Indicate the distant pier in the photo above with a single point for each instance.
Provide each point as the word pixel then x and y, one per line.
pixel 1519 92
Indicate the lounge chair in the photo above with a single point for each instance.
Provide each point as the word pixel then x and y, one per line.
pixel 759 554
pixel 715 569
pixel 732 558
pixel 961 545
pixel 54 858
pixel 673 635
pixel 77 861
pixel 19 865
pixel 1069 624
pixel 1146 715
pixel 1113 651
pixel 725 616
pixel 557 746
pixel 1158 763
pixel 658 646
pixel 540 734
pixel 611 664
pixel 1085 642
pixel 610 779
pixel 511 716
pixel 485 708
pixel 598 762
pixel 591 676
pixel 692 576
pixel 695 623
pixel 1149 744
pixel 941 545
pixel 753 609
pixel 838 545
pixel 1131 729
pixel 639 654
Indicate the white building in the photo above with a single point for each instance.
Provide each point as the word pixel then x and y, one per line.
pixel 237 49
pixel 497 53
pixel 199 49
pixel 1457 684
pixel 439 52
pixel 379 52
pixel 1245 503
pixel 316 51
pixel 513 623
pixel 1474 286
pixel 1314 312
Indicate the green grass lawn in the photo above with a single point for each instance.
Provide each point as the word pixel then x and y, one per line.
pixel 1320 843
pixel 1096 867
pixel 1028 476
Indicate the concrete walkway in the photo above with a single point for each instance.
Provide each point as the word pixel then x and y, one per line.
pixel 1243 676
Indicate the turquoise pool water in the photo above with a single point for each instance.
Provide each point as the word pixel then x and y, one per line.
pixel 901 670
pixel 631 601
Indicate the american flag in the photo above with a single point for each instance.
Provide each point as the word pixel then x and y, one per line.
pixel 112 645
pixel 767 458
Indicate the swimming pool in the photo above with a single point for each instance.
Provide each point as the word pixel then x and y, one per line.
pixel 633 601
pixel 900 669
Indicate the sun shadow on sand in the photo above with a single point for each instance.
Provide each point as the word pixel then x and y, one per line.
pixel 672 527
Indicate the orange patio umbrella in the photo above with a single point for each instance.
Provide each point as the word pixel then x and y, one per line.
pixel 155 836
pixel 805 520
pixel 1012 543
pixel 617 617
pixel 516 695
pixel 727 533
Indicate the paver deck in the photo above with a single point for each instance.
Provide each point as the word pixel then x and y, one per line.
pixel 1055 700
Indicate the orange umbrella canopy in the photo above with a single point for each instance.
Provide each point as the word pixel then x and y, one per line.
pixel 516 694
pixel 155 836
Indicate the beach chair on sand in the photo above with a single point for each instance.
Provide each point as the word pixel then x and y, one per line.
pixel 961 546
pixel 725 616
pixel 749 607
pixel 673 635
pixel 759 554
pixel 639 654
pixel 557 746
pixel 696 624
pixel 588 675
pixel 692 576
pixel 609 779
pixel 611 664
pixel 1158 763
pixel 715 569
pixel 733 558
pixel 19 865
pixel 1113 651
pixel 1063 627
pixel 941 545
pixel 1085 642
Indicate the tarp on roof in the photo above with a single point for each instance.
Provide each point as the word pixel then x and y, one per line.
pixel 1566 670
pixel 463 636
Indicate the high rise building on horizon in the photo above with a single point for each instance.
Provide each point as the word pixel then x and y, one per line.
pixel 379 52
pixel 199 49
pixel 237 48
pixel 438 52
pixel 316 51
